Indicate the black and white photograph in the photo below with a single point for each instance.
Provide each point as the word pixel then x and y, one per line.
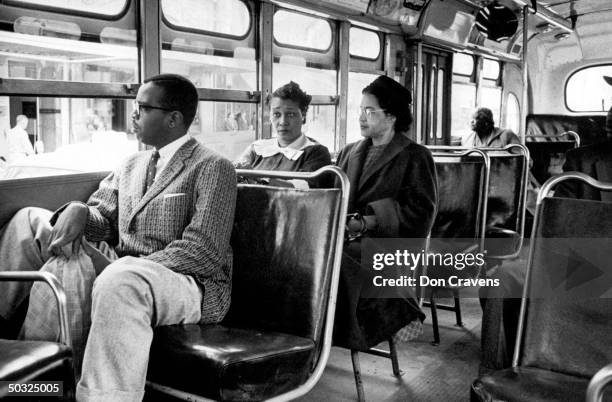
pixel 309 200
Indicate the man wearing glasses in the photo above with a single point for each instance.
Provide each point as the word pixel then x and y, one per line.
pixel 167 214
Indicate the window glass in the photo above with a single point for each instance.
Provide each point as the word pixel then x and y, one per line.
pixel 490 69
pixel 69 135
pixel 54 50
pixel 227 17
pixel 357 81
pixel 108 7
pixel 364 43
pixel 314 81
pixel 320 125
pixel 439 103
pixel 491 97
pixel 302 31
pixel 586 90
pixel 463 64
pixel 462 108
pixel 431 105
pixel 228 128
pixel 207 71
pixel 513 114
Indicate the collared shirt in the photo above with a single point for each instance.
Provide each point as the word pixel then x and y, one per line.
pixel 293 151
pixel 167 152
pixel 498 138
pixel 18 142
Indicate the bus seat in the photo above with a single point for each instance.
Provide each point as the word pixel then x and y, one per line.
pixel 590 128
pixel 566 312
pixel 505 222
pixel 22 361
pixel 50 192
pixel 459 227
pixel 287 245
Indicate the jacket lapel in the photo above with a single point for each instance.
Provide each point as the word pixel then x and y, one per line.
pixel 175 165
pixel 397 144
pixel 355 165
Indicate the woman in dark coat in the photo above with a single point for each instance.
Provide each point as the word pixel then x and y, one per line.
pixel 394 193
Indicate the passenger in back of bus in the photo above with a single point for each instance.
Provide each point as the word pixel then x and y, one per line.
pixel 393 195
pixel 167 213
pixel 484 133
pixel 291 150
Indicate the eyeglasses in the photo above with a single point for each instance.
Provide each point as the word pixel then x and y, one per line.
pixel 369 111
pixel 139 107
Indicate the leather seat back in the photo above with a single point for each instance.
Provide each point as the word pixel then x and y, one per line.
pixel 569 311
pixel 50 192
pixel 460 205
pixel 506 189
pixel 589 128
pixel 283 257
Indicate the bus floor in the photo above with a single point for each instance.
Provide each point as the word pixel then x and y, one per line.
pixel 430 373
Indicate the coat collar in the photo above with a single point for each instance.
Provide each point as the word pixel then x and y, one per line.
pixel 397 145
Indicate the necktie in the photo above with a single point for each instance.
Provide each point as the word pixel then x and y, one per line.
pixel 151 170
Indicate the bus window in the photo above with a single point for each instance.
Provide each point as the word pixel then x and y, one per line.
pixel 586 90
pixel 364 43
pixel 490 69
pixel 107 8
pixel 490 97
pixel 357 81
pixel 463 104
pixel 67 48
pixel 228 17
pixel 463 64
pixel 302 53
pixel 70 135
pixel 228 128
pixel 440 103
pixel 320 125
pixel 513 114
pixel 301 31
pixel 210 42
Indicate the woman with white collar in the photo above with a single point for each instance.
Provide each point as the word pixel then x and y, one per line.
pixel 291 150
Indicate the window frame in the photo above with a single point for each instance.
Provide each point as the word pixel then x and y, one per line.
pixel 582 68
pixel 70 11
pixel 181 28
pixel 332 30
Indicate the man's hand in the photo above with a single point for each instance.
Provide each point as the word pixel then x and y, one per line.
pixel 99 260
pixel 68 229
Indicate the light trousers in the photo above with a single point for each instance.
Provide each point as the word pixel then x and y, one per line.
pixel 129 298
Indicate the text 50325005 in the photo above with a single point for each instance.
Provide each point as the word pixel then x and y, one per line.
pixel 32 388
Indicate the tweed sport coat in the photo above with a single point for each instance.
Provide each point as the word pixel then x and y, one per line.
pixel 183 222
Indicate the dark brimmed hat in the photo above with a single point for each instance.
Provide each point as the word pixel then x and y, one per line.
pixel 392 89
pixel 608 79
pixel 394 98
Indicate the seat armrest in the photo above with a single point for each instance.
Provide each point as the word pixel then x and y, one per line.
pixel 58 292
pixel 598 384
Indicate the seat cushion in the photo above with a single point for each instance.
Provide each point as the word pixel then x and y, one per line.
pixel 21 359
pixel 228 363
pixel 529 384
